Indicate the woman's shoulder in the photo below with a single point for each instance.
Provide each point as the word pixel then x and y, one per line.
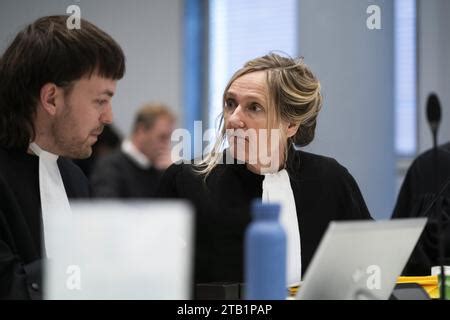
pixel 315 165
pixel 338 182
pixel 174 181
pixel 180 169
pixel 316 159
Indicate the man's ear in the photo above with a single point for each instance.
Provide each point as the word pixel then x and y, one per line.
pixel 49 97
pixel 292 129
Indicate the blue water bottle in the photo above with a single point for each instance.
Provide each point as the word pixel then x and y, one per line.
pixel 265 254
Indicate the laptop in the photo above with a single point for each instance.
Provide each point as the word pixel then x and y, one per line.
pixel 121 250
pixel 360 260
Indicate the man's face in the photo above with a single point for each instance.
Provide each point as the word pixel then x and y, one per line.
pixel 81 115
pixel 156 140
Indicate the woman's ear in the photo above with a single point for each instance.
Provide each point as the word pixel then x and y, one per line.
pixel 292 129
pixel 48 97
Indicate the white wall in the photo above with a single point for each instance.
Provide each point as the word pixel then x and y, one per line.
pixel 434 65
pixel 355 66
pixel 149 31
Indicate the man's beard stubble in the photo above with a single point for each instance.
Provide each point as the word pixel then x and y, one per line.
pixel 70 146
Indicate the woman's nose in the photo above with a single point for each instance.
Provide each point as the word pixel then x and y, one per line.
pixel 236 119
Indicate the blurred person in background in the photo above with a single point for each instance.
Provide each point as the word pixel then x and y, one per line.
pixel 415 199
pixel 134 170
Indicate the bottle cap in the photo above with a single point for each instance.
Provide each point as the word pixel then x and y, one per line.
pixel 265 210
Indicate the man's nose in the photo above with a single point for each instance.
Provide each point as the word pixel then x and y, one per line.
pixel 107 117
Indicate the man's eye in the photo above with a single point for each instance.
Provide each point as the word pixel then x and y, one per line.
pixel 101 102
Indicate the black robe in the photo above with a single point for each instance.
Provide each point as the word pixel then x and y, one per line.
pixel 416 195
pixel 21 220
pixel 118 176
pixel 323 191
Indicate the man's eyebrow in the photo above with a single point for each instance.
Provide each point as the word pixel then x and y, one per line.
pixel 107 92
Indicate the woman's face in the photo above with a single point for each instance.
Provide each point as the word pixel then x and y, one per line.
pixel 246 108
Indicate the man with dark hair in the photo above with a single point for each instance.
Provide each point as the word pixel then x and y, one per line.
pixel 56 87
pixel 134 170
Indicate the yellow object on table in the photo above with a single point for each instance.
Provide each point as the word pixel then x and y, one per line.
pixel 428 283
pixel 292 291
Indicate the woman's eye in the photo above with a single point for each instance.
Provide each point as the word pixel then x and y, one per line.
pixel 255 107
pixel 230 104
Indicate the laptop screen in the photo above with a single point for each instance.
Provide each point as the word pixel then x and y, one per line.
pixel 121 250
pixel 360 259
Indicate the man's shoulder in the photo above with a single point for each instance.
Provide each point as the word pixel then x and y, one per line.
pixel 4 158
pixel 116 159
pixel 443 152
pixel 13 160
pixel 68 165
pixel 4 166
pixel 423 164
pixel 7 156
pixel 446 146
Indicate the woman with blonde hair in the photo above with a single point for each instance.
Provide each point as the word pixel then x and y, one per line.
pixel 270 107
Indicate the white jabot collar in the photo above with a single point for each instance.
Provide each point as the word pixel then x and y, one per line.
pixel 137 156
pixel 277 189
pixel 54 201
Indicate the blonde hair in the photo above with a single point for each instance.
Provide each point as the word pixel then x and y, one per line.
pixel 294 96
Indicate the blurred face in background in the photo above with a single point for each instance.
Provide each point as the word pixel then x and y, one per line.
pixel 154 142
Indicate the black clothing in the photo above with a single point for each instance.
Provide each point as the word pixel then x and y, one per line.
pixel 416 195
pixel 118 176
pixel 21 220
pixel 323 191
